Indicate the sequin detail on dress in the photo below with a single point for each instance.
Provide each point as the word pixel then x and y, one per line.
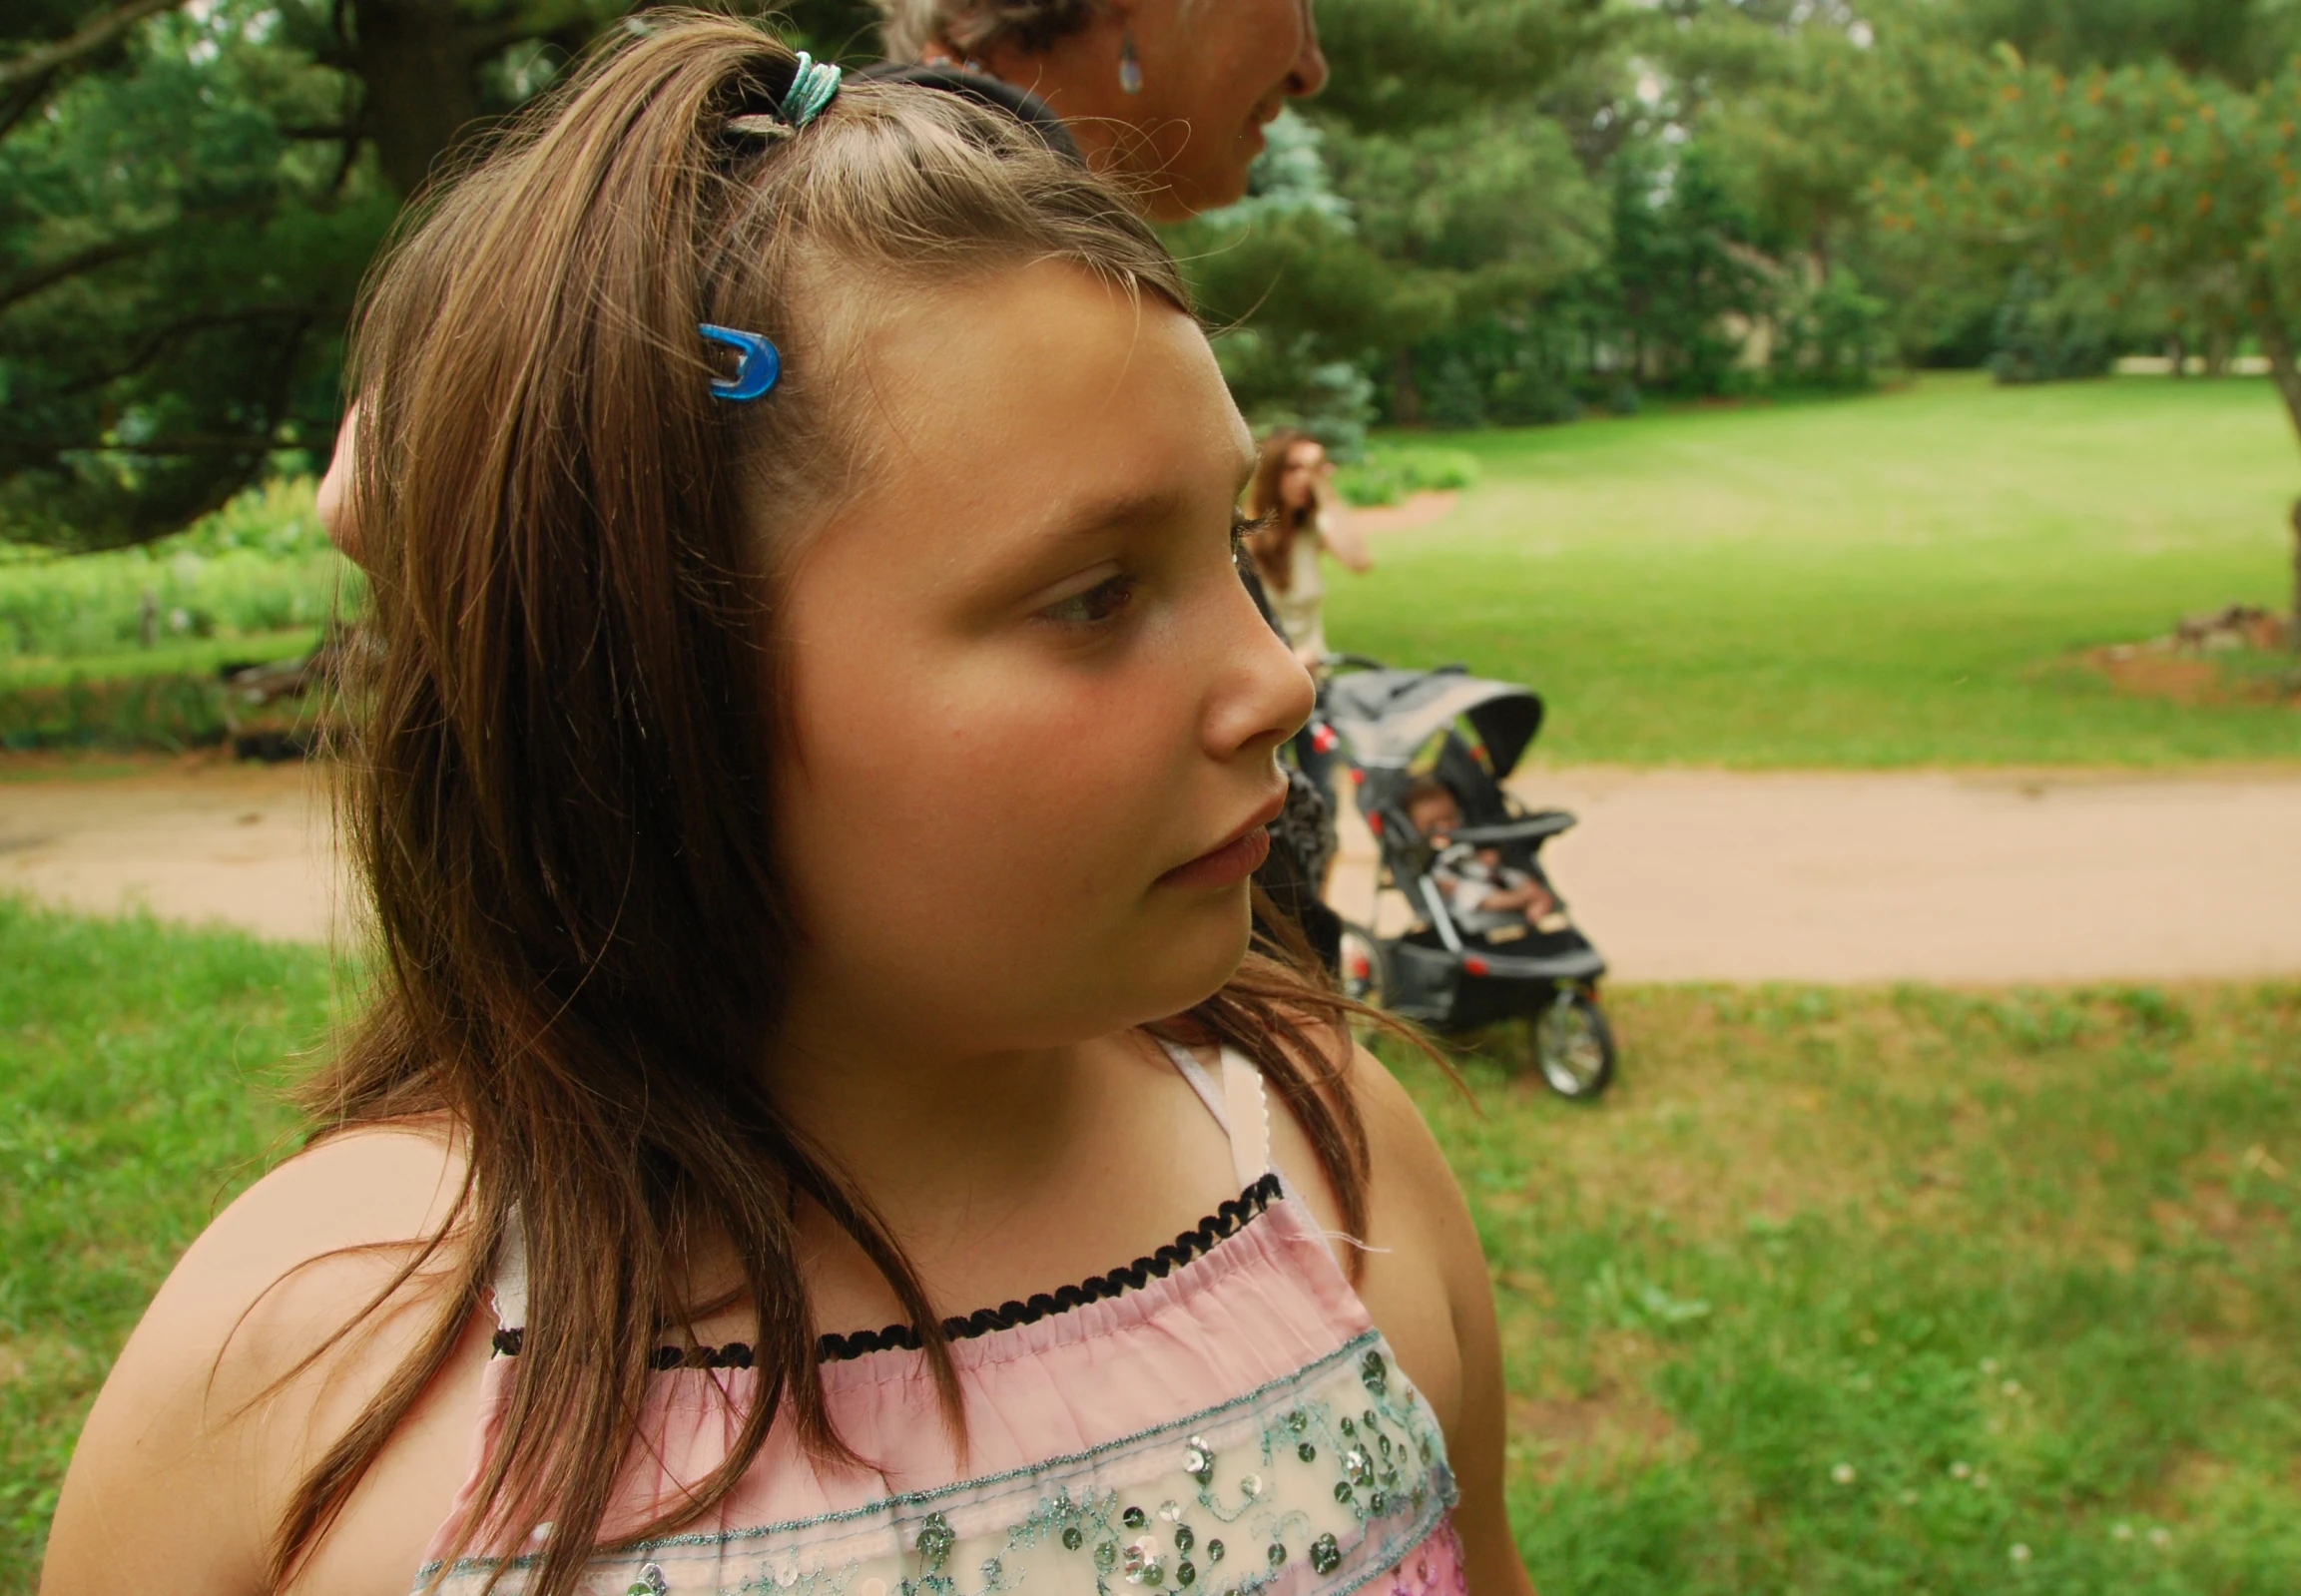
pixel 1321 1484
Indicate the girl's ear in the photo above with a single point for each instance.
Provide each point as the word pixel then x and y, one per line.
pixel 335 500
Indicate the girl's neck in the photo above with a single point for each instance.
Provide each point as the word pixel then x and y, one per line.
pixel 912 1124
pixel 1000 1175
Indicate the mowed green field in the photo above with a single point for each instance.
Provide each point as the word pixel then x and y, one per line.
pixel 1893 579
pixel 1876 1291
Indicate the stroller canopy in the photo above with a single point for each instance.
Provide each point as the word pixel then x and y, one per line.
pixel 1389 716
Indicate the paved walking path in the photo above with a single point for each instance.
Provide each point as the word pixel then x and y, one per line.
pixel 2067 876
pixel 1677 876
pixel 245 844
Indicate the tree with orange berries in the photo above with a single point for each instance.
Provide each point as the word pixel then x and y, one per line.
pixel 2154 188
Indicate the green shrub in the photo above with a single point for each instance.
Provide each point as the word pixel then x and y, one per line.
pixel 1388 474
pixel 262 564
pixel 168 713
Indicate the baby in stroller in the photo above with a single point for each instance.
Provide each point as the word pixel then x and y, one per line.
pixel 1488 898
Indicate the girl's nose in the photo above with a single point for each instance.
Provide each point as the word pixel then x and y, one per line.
pixel 1266 696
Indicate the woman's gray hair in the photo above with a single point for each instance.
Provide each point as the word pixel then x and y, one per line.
pixel 966 26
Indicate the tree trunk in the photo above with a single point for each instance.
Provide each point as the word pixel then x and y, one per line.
pixel 416 60
pixel 2293 627
pixel 2277 344
pixel 1406 396
pixel 2179 352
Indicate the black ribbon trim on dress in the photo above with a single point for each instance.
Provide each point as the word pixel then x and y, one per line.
pixel 1225 1222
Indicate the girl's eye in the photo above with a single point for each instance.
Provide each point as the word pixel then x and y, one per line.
pixel 1094 606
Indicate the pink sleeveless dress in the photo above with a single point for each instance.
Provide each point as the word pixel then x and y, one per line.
pixel 1219 1418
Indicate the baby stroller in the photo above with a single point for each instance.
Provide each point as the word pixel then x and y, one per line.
pixel 1392 730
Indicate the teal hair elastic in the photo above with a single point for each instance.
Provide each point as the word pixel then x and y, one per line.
pixel 812 85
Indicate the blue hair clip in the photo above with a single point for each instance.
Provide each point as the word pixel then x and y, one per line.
pixel 812 83
pixel 756 369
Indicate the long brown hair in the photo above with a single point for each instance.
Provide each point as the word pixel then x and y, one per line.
pixel 1272 543
pixel 561 797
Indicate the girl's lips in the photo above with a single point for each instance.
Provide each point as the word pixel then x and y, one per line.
pixel 1227 865
pixel 1235 860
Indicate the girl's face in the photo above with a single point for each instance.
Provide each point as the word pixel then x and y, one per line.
pixel 1035 715
pixel 1297 483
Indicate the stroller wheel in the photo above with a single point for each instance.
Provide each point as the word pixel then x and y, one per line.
pixel 1364 968
pixel 1573 1045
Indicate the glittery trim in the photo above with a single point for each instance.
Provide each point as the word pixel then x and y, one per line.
pixel 1342 1461
pixel 1224 1222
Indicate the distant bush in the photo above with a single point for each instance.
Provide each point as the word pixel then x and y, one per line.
pixel 165 713
pixel 261 564
pixel 1533 398
pixel 1453 396
pixel 1832 335
pixel 2037 339
pixel 1388 475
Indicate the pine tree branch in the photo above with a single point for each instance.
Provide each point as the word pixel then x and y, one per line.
pixel 90 37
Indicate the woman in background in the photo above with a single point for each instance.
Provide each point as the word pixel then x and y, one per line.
pixel 1170 96
pixel 1299 515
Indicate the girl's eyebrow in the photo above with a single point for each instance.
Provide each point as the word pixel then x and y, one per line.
pixel 1119 512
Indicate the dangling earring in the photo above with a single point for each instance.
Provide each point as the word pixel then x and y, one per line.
pixel 1129 63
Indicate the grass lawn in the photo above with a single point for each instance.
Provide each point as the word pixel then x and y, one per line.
pixel 1904 1291
pixel 1885 1291
pixel 136 1065
pixel 1886 581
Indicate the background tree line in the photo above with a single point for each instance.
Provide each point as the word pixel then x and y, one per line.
pixel 1501 211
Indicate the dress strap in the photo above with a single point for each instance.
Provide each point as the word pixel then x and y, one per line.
pixel 509 1288
pixel 1201 1082
pixel 1237 1105
pixel 1249 1118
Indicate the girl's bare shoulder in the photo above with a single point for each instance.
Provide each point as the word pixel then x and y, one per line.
pixel 236 1379
pixel 301 1251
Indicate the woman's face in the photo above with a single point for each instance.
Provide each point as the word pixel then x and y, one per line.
pixel 1214 74
pixel 1297 483
pixel 1036 714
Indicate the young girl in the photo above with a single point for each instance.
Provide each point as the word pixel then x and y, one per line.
pixel 817 757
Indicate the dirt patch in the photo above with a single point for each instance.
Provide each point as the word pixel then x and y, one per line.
pixel 2235 654
pixel 2154 670
pixel 1607 1429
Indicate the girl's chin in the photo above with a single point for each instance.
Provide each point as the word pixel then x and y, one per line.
pixel 1196 962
